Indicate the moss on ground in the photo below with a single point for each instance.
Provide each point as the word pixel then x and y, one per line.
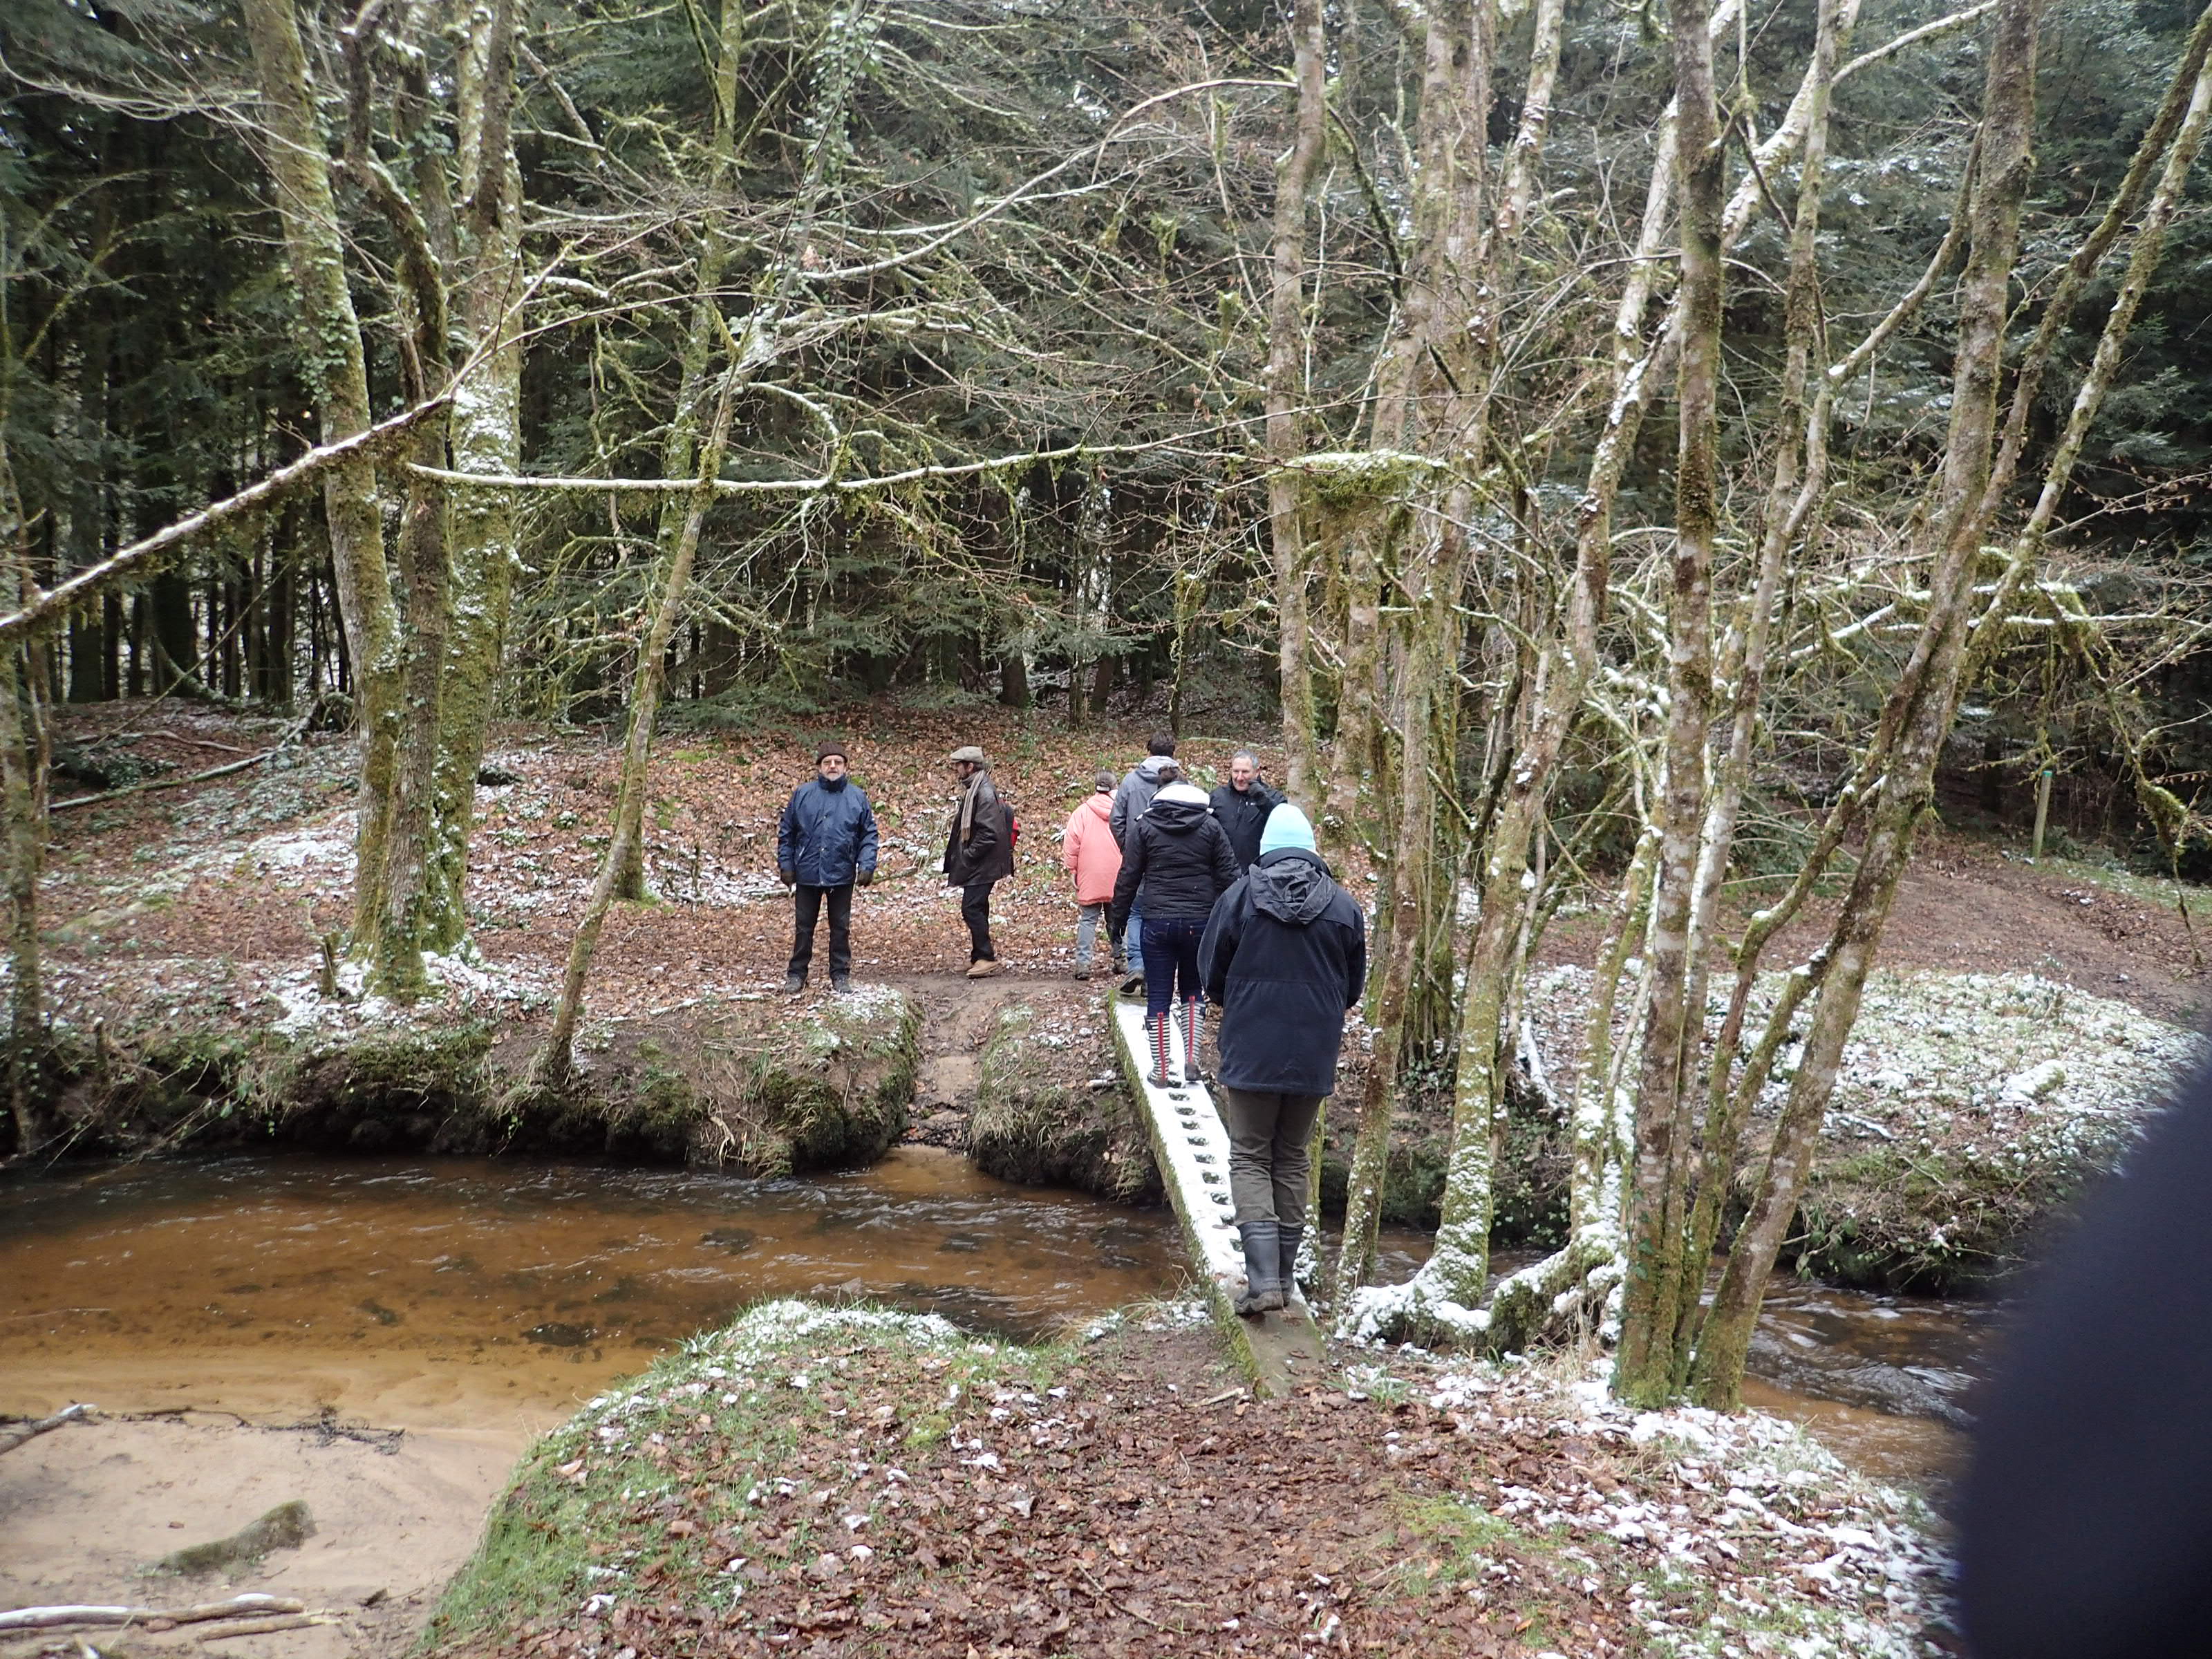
pixel 768 1391
pixel 848 1480
pixel 1972 1110
pixel 1038 1118
pixel 1530 1185
pixel 286 1527
pixel 763 1088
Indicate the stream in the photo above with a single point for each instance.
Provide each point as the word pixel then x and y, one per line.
pixel 499 1294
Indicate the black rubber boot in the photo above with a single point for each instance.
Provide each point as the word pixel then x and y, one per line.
pixel 1193 1033
pixel 1287 1240
pixel 1160 1076
pixel 1263 1272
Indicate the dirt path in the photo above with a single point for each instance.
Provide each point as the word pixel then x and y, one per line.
pixel 85 1509
pixel 958 1016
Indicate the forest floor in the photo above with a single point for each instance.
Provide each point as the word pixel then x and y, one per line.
pixel 247 871
pixel 825 1482
pixel 1507 1516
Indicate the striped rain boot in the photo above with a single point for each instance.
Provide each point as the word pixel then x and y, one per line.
pixel 1160 1076
pixel 1193 1036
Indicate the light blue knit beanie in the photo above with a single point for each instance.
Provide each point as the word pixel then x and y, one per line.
pixel 1286 828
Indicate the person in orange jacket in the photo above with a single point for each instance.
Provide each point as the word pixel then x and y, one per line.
pixel 1088 849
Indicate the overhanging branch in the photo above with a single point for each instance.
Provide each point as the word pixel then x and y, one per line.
pixel 60 599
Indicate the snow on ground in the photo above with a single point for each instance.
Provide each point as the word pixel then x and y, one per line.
pixel 1761 1544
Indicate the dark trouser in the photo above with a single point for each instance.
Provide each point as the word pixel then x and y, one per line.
pixel 806 907
pixel 976 911
pixel 1170 954
pixel 1269 1135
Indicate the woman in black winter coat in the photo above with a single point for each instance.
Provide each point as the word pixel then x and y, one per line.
pixel 1176 862
pixel 1285 958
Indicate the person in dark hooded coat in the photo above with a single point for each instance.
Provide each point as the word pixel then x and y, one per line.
pixel 1284 956
pixel 1176 862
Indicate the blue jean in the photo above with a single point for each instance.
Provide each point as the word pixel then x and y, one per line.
pixel 1171 955
pixel 1133 939
pixel 1086 931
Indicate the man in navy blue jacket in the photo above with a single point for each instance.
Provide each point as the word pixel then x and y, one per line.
pixel 825 845
pixel 1284 957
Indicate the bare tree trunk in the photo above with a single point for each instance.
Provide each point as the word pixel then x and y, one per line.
pixel 1919 710
pixel 555 1061
pixel 20 827
pixel 1644 1364
pixel 1286 396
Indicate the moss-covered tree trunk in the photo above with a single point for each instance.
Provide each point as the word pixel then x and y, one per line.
pixel 1674 1029
pixel 555 1062
pixel 1286 395
pixel 337 371
pixel 22 835
pixel 1918 713
pixel 678 453
pixel 485 437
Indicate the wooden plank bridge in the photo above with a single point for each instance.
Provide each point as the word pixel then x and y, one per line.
pixel 1278 1351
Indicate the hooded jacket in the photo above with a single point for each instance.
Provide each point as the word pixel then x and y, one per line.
pixel 1087 847
pixel 1176 862
pixel 828 836
pixel 1244 816
pixel 987 855
pixel 1135 795
pixel 1285 958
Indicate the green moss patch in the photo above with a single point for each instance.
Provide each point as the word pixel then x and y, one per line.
pixel 766 1088
pixel 1049 1109
pixel 1534 1162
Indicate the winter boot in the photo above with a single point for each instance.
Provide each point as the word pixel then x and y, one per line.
pixel 1288 1240
pixel 1263 1274
pixel 1193 1035
pixel 1160 1076
pixel 842 984
pixel 794 984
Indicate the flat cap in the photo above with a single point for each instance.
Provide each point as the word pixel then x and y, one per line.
pixel 970 753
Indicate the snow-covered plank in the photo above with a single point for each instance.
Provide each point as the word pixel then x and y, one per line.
pixel 1277 1350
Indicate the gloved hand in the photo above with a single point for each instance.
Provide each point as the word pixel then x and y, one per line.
pixel 786 877
pixel 864 878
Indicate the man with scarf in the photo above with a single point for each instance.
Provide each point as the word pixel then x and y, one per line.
pixel 825 845
pixel 978 853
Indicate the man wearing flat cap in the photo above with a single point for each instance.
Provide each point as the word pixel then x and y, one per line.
pixel 825 845
pixel 979 852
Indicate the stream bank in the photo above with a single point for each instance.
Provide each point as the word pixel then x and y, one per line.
pixel 860 1481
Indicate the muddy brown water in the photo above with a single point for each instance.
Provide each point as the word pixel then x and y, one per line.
pixel 464 1293
pixel 413 1292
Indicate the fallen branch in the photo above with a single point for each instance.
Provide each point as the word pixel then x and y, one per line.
pixel 163 783
pixel 50 1618
pixel 263 1626
pixel 58 600
pixel 224 770
pixel 11 1438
